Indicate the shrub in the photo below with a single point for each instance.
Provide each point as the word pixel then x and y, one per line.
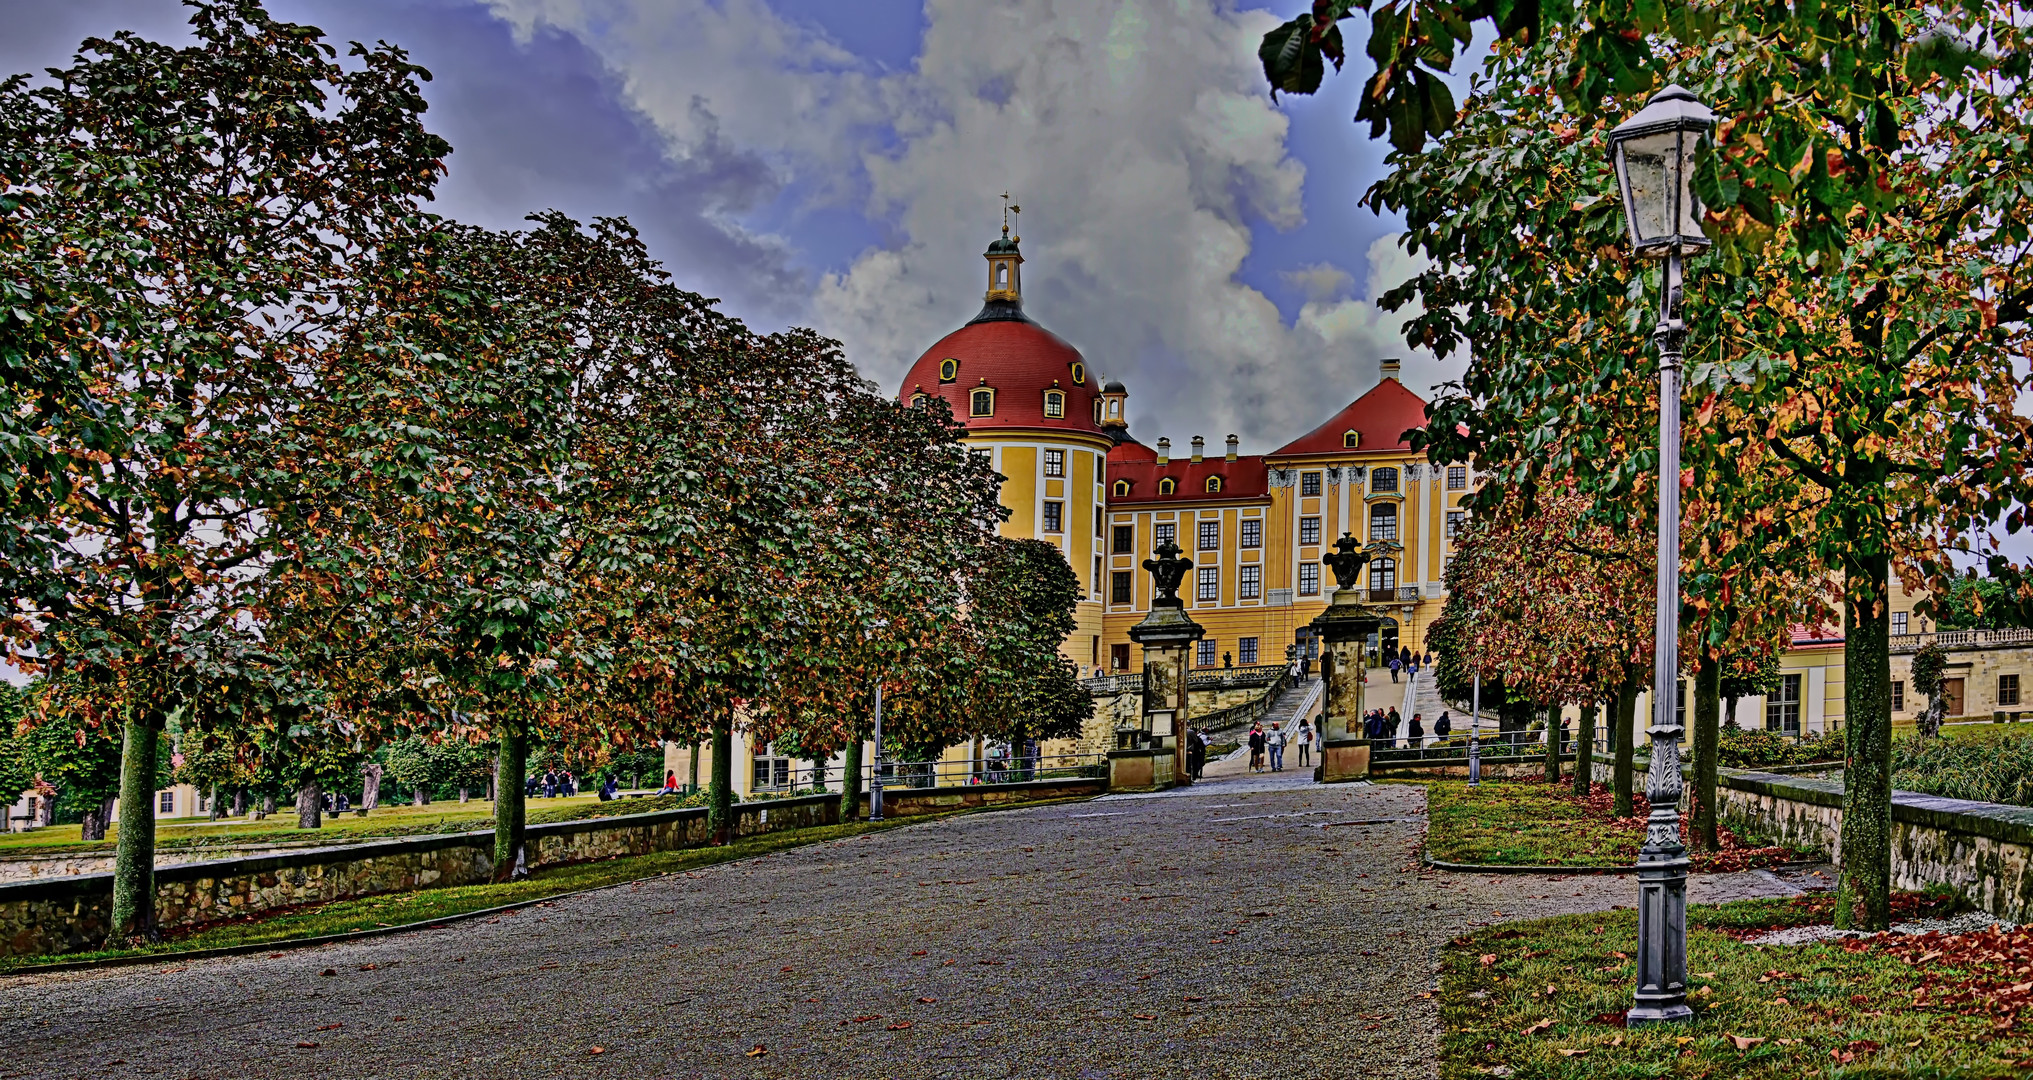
pixel 1988 767
pixel 1741 749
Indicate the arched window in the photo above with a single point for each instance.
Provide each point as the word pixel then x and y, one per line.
pixel 949 369
pixel 1167 486
pixel 1002 275
pixel 1383 574
pixel 1121 489
pixel 981 402
pixel 1079 373
pixel 918 398
pixel 1055 404
pixel 1097 410
pixel 1351 438
pixel 1383 481
pixel 1214 483
pixel 1383 522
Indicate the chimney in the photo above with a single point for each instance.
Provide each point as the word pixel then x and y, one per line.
pixel 1199 448
pixel 1164 451
pixel 1389 368
pixel 1233 444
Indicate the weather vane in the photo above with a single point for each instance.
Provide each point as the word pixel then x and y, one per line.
pixel 1007 210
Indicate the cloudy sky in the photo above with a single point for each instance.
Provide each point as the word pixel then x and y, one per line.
pixel 839 165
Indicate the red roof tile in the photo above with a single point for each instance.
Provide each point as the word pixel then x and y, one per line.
pixel 1382 416
pixel 1242 479
pixel 1020 360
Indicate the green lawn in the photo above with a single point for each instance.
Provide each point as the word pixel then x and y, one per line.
pixel 179 834
pixel 367 913
pixel 1545 999
pixel 1533 823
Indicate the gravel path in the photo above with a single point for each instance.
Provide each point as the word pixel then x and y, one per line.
pixel 1122 937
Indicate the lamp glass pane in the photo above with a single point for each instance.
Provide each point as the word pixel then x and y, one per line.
pixel 1647 162
pixel 1690 204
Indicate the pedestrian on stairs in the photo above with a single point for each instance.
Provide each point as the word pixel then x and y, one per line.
pixel 1275 743
pixel 1417 732
pixel 1256 748
pixel 1305 743
pixel 1394 668
pixel 1443 726
pixel 1196 752
pixel 1392 722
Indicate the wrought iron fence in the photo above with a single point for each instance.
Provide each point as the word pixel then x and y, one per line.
pixel 935 774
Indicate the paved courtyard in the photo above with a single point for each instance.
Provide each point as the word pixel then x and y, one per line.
pixel 1253 926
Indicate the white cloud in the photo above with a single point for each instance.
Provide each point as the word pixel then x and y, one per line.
pixel 1135 133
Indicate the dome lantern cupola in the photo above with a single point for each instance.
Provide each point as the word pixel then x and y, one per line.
pixel 1005 297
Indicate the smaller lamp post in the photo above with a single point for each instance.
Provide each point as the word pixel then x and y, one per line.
pixel 1654 156
pixel 875 760
pixel 1475 731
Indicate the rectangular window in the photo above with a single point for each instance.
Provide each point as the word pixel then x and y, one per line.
pixel 1782 709
pixel 1680 703
pixel 1097 519
pixel 1167 533
pixel 1125 539
pixel 1055 463
pixel 1094 583
pixel 1118 657
pixel 1210 535
pixel 167 802
pixel 1251 582
pixel 1246 650
pixel 1203 652
pixel 1455 518
pixel 1309 530
pixel 2008 689
pixel 1898 696
pixel 1457 477
pixel 1055 406
pixel 1309 483
pixel 1383 522
pixel 1055 513
pixel 1898 622
pixel 1252 533
pixel 1309 579
pixel 1210 584
pixel 1118 586
pixel 1383 481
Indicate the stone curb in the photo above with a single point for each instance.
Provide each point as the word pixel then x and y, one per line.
pixel 1481 868
pixel 289 944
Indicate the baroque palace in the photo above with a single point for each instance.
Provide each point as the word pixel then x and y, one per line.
pixel 1255 525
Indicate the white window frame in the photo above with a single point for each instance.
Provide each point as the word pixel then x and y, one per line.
pixel 1055 462
pixel 1249 582
pixel 1309 579
pixel 1054 517
pixel 1209 588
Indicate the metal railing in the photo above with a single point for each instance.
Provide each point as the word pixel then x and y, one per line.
pixel 1249 711
pixel 936 774
pixel 1209 678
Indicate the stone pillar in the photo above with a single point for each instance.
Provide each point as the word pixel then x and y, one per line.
pixel 1152 752
pixel 1344 629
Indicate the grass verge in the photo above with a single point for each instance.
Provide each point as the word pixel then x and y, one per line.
pixel 390 910
pixel 1545 999
pixel 1533 823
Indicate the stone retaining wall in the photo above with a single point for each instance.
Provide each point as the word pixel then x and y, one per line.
pixel 71 913
pixel 1984 851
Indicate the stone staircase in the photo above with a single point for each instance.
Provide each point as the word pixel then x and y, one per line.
pixel 1285 710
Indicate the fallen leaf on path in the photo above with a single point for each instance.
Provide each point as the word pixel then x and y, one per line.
pixel 1195 997
pixel 758 1051
pixel 900 1025
pixel 1537 1028
pixel 307 1046
pixel 1488 959
pixel 1144 1016
pixel 1745 1042
pixel 1564 1052
pixel 787 969
pixel 329 971
pixel 926 1001
pixel 331 1027
pixel 919 952
pixel 596 1049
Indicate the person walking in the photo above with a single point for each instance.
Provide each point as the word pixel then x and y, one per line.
pixel 1256 748
pixel 1443 726
pixel 1305 743
pixel 1196 752
pixel 1394 664
pixel 1417 732
pixel 1392 722
pixel 1275 743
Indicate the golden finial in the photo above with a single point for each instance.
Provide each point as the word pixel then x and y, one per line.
pixel 1008 208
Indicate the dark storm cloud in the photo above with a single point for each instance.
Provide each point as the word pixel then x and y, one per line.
pixel 535 125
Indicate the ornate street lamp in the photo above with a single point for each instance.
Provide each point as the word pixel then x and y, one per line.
pixel 1654 155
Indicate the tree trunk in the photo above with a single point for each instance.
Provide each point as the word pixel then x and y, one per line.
pixel 134 857
pixel 850 782
pixel 462 794
pixel 416 796
pixel 267 803
pixel 96 818
pixel 1584 749
pixel 310 806
pixel 694 755
pixel 239 802
pixel 1729 710
pixel 720 803
pixel 1707 730
pixel 216 812
pixel 1863 892
pixel 1621 777
pixel 1553 743
pixel 370 786
pixel 510 766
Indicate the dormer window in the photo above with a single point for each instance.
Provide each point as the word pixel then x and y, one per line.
pixel 1214 483
pixel 918 398
pixel 1097 410
pixel 1351 439
pixel 981 402
pixel 1167 486
pixel 1055 404
pixel 949 369
pixel 1079 374
pixel 1122 489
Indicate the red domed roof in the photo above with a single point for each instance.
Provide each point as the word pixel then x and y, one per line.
pixel 1020 361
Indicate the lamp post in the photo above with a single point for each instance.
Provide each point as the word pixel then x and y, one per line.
pixel 1654 156
pixel 1475 732
pixel 875 759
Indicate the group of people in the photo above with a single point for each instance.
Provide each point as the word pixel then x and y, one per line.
pixel 1381 725
pixel 1267 748
pixel 551 784
pixel 1408 662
